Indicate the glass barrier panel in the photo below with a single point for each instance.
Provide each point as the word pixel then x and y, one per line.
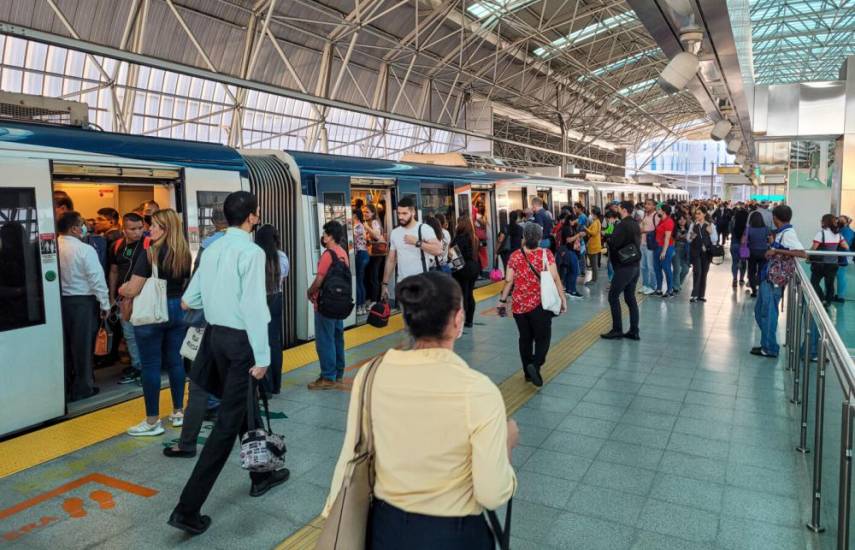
pixel 831 442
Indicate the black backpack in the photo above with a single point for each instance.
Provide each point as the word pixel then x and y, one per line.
pixel 335 297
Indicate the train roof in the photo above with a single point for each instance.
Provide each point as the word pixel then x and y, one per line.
pixel 317 162
pixel 154 149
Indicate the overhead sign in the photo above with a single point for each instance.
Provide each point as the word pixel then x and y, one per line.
pixel 771 198
pixel 724 170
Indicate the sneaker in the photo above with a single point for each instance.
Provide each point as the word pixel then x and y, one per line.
pixel 322 384
pixel 576 295
pixel 741 282
pixel 647 291
pixel 702 299
pixel 177 419
pixel 838 300
pixel 734 285
pixel 534 374
pixel 131 378
pixel 657 293
pixel 692 300
pixel 144 429
pixel 762 353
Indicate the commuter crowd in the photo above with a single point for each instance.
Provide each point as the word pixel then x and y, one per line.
pixel 430 433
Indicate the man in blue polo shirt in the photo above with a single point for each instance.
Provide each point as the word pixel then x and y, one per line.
pixel 542 218
pixel 785 246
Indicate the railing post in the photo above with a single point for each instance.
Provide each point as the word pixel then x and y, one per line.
pixel 798 305
pixel 802 448
pixel 797 373
pixel 819 413
pixel 845 475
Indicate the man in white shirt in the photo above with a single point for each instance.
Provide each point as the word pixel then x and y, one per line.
pixel 412 246
pixel 84 288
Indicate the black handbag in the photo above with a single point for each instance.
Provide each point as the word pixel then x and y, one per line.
pixel 204 370
pixel 502 535
pixel 260 450
pixel 628 254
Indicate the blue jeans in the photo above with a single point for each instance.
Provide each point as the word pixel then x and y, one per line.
pixel 160 346
pixel 648 274
pixel 841 281
pixel 131 341
pixel 738 266
pixel 766 315
pixel 570 273
pixel 680 264
pixel 664 266
pixel 329 341
pixel 362 259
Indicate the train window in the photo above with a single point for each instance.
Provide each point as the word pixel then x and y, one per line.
pixel 437 200
pixel 207 202
pixel 336 208
pixel 462 203
pixel 21 292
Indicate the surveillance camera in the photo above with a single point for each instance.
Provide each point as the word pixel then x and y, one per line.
pixel 721 129
pixel 679 71
pixel 733 145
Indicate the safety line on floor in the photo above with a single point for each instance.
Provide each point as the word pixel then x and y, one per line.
pixel 68 436
pixel 515 391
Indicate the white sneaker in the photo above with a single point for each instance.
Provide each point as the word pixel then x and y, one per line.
pixel 177 419
pixel 648 291
pixel 144 429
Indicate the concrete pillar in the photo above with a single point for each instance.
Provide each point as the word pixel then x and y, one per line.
pixel 843 178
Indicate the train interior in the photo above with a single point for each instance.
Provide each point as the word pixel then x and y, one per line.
pixel 90 193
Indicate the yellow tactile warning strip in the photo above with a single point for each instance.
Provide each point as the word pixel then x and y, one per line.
pixel 515 391
pixel 66 437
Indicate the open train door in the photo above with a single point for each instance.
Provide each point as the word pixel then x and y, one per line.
pixel 32 388
pixel 463 201
pixel 333 194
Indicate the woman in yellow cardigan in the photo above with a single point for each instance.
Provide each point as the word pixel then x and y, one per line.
pixel 595 242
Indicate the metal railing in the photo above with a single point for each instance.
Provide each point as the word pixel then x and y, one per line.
pixel 812 336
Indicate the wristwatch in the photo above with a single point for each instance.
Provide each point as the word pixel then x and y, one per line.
pixel 418 244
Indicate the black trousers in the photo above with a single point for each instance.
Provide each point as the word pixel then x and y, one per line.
pixel 233 357
pixel 823 272
pixel 194 415
pixel 79 326
pixel 390 528
pixel 273 379
pixel 700 270
pixel 624 282
pixel 466 278
pixel 374 278
pixel 535 328
pixel 756 261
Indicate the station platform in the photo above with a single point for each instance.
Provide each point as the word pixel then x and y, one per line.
pixel 682 440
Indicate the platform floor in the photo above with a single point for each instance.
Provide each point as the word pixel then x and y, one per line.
pixel 682 440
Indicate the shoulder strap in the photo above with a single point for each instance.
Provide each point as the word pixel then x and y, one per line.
pixel 421 251
pixel 118 245
pixel 503 536
pixel 533 270
pixel 544 261
pixel 365 434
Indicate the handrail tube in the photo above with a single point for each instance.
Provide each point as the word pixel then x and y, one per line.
pixel 803 448
pixel 830 252
pixel 845 475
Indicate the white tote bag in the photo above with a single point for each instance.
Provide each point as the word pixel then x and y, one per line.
pixel 549 297
pixel 150 305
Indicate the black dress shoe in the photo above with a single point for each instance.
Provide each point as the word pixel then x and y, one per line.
pixel 275 478
pixel 195 525
pixel 612 335
pixel 631 336
pixel 178 453
pixel 534 374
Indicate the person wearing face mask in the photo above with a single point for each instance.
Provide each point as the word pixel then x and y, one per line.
pixel 329 333
pixel 84 288
pixel 442 438
pixel 229 287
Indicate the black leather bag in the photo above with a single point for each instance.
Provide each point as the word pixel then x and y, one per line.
pixel 502 535
pixel 628 254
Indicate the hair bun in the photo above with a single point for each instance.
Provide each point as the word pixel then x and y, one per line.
pixel 413 291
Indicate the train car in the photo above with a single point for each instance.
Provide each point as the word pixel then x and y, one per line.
pixel 608 191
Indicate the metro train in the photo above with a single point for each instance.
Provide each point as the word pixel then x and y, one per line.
pixel 298 192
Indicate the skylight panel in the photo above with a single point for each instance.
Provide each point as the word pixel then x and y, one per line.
pixel 615 65
pixel 637 87
pixel 585 33
pixel 496 8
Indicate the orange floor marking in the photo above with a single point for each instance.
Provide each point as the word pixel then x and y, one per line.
pixel 125 486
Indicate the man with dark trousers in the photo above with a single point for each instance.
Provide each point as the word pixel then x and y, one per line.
pixel 626 274
pixel 229 286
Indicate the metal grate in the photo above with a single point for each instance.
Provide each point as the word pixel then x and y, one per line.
pixel 44 110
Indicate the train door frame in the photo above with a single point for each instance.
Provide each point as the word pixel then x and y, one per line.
pixel 32 393
pixel 489 195
pixel 387 189
pixel 338 189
